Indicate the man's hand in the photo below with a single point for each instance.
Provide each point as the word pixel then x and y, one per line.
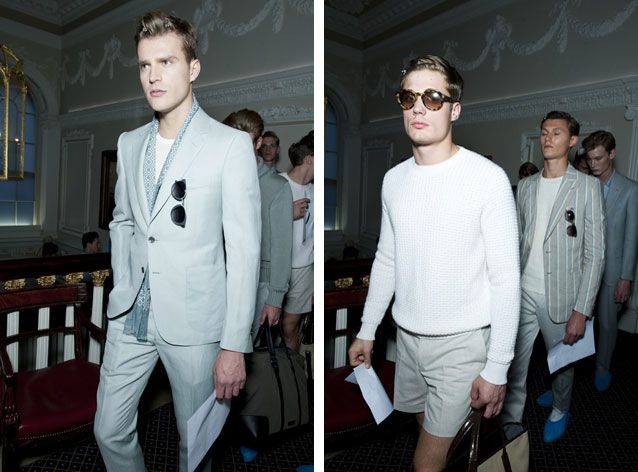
pixel 229 373
pixel 622 291
pixel 360 352
pixel 489 395
pixel 299 208
pixel 271 313
pixel 575 328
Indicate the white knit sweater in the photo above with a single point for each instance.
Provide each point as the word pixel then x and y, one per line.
pixel 448 252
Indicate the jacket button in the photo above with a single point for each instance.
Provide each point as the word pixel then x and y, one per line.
pixel 151 239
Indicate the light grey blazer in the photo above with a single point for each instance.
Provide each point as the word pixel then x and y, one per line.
pixel 573 265
pixel 622 229
pixel 196 297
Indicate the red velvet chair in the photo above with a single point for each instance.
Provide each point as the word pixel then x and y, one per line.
pixel 347 417
pixel 45 408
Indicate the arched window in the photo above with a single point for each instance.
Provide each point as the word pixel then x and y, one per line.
pixel 17 197
pixel 330 169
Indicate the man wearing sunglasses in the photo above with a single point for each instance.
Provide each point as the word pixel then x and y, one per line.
pixel 562 229
pixel 183 179
pixel 621 208
pixel 448 252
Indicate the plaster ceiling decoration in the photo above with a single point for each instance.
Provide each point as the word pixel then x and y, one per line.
pixel 59 13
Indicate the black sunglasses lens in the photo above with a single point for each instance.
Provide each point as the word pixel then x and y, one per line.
pixel 178 215
pixel 571 231
pixel 178 190
pixel 569 215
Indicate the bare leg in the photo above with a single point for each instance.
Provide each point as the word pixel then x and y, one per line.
pixel 290 326
pixel 431 452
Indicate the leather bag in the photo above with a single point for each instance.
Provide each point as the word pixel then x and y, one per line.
pixel 481 445
pixel 276 395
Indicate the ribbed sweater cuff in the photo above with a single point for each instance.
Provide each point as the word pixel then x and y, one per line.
pixel 275 297
pixel 367 331
pixel 495 373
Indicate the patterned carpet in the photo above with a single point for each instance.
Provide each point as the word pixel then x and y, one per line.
pixel 158 436
pixel 602 434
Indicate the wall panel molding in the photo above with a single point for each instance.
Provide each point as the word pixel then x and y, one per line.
pixel 377 159
pixel 295 83
pixel 75 182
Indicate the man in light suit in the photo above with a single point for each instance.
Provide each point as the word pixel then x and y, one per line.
pixel 562 229
pixel 621 208
pixel 182 180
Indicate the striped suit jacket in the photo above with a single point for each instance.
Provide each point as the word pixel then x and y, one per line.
pixel 573 265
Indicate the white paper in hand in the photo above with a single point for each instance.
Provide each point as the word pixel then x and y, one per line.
pixel 373 392
pixel 563 354
pixel 204 427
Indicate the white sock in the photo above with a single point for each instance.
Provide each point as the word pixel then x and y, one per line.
pixel 556 415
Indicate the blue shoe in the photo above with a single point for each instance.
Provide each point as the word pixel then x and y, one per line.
pixel 248 454
pixel 554 430
pixel 545 399
pixel 306 468
pixel 602 380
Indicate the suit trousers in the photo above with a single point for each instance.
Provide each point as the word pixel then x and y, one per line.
pixel 607 323
pixel 534 316
pixel 125 371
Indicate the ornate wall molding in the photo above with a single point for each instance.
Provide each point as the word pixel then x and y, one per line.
pixel 75 185
pixel 286 114
pixel 295 83
pixel 617 92
pixel 207 18
pixel 498 39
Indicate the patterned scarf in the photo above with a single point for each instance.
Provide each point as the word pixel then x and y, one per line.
pixel 137 319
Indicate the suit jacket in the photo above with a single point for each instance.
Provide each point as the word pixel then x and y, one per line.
pixel 621 207
pixel 196 298
pixel 573 265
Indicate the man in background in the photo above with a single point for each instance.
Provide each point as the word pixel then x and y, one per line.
pixel 562 230
pixel 91 243
pixel 298 300
pixel 621 209
pixel 269 150
pixel 276 225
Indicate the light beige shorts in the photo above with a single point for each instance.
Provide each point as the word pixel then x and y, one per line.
pixel 434 374
pixel 298 300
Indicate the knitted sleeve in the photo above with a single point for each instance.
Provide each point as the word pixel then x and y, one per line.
pixel 382 276
pixel 500 232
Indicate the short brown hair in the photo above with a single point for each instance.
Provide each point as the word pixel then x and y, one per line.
pixel 305 147
pixel 599 138
pixel 271 134
pixel 572 125
pixel 437 64
pixel 246 120
pixel 158 23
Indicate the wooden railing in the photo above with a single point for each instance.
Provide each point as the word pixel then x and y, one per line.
pixel 94 269
pixel 343 309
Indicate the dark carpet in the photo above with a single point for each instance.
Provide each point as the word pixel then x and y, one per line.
pixel 602 434
pixel 159 440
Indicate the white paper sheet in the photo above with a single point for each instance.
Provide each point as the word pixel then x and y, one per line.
pixel 563 354
pixel 373 392
pixel 204 427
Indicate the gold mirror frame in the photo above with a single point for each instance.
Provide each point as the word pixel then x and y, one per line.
pixel 13 80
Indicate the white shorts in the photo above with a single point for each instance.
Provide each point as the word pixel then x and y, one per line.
pixel 298 300
pixel 434 374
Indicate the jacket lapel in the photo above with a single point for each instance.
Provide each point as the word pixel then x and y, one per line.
pixel 558 210
pixel 186 154
pixel 530 217
pixel 614 191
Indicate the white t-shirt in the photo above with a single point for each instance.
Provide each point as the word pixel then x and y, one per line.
pixel 303 241
pixel 162 148
pixel 533 277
